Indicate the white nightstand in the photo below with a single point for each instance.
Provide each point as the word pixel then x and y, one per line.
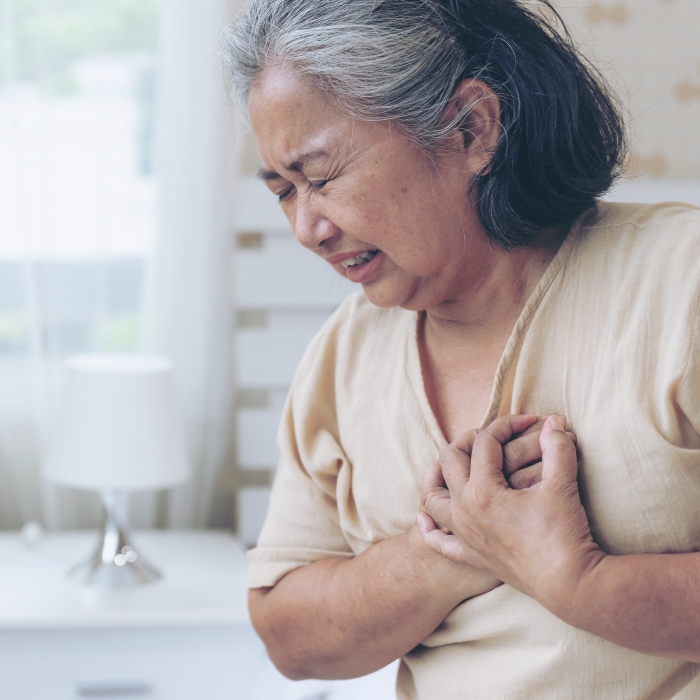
pixel 186 637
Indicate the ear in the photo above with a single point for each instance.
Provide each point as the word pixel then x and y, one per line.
pixel 478 133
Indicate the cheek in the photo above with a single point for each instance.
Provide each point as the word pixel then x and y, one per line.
pixel 392 222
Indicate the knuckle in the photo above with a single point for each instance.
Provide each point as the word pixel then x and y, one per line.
pixel 535 427
pixel 482 498
pixel 466 436
pixel 442 548
pixel 435 467
pixel 519 480
pixel 483 436
pixel 452 457
pixel 445 454
pixel 432 475
pixel 562 447
pixel 515 453
pixel 427 497
pixel 525 478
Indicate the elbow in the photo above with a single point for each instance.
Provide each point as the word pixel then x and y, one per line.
pixel 291 661
pixel 298 651
pixel 289 655
pixel 283 648
pixel 298 662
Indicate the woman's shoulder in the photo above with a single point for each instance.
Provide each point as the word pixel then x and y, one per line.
pixel 642 217
pixel 356 331
pixel 663 224
pixel 643 240
pixel 635 270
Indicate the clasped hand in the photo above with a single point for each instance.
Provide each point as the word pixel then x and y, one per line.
pixel 536 539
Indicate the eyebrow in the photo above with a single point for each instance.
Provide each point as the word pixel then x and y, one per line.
pixel 296 166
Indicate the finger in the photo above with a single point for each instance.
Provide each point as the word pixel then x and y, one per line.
pixel 435 498
pixel 487 453
pixel 505 427
pixel 524 451
pixel 559 461
pixel 465 441
pixel 520 452
pixel 455 466
pixel 433 478
pixel 524 478
pixel 535 427
pixel 437 503
pixel 440 542
pixel 442 527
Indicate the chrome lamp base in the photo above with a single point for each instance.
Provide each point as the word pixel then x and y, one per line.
pixel 114 563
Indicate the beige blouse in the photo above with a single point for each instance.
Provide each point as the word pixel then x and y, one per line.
pixel 609 338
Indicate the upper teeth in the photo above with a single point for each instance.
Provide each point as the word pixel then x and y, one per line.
pixel 363 257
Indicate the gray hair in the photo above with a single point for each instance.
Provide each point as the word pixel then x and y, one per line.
pixel 562 140
pixel 380 64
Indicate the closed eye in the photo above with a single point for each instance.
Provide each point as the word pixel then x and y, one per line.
pixel 283 196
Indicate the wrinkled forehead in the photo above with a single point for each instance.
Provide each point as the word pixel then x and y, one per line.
pixel 290 116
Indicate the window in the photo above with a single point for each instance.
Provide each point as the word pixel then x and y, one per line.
pixel 78 214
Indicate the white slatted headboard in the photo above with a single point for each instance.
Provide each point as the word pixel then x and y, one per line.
pixel 282 294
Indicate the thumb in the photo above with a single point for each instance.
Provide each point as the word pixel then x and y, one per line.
pixel 559 461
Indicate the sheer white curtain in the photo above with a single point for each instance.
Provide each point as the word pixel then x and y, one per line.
pixel 191 315
pixel 116 152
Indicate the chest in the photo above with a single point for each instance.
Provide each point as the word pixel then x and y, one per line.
pixel 639 458
pixel 639 483
pixel 391 430
pixel 458 386
pixel 460 402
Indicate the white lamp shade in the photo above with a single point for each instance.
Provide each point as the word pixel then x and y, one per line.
pixel 118 426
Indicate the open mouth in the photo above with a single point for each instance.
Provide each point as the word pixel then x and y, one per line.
pixel 361 259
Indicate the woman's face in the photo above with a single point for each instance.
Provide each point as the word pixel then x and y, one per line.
pixel 361 192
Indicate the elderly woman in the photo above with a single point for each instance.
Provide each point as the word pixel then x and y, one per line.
pixel 447 155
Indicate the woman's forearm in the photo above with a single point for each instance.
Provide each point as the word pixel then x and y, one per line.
pixel 648 602
pixel 343 618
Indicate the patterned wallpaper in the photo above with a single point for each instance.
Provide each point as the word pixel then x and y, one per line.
pixel 650 50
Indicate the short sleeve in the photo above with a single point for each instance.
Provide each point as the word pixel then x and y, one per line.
pixel 297 530
pixel 303 523
pixel 689 390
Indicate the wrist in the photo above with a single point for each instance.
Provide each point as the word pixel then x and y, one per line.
pixel 574 599
pixel 449 581
pixel 444 577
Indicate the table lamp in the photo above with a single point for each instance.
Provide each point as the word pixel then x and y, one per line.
pixel 118 430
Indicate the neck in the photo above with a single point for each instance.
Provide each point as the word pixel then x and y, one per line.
pixel 491 301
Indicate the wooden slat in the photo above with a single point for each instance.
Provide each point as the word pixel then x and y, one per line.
pixel 268 359
pixel 286 278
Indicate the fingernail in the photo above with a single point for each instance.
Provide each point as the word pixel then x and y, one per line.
pixel 557 422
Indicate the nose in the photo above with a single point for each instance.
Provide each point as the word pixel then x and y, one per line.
pixel 311 227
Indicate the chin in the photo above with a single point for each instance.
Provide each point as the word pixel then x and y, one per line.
pixel 388 296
